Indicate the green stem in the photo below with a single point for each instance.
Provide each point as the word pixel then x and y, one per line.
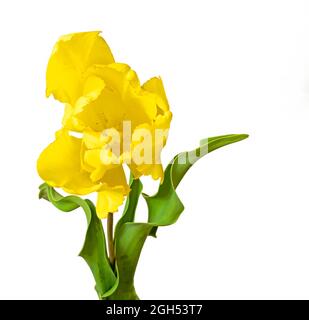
pixel 110 238
pixel 127 294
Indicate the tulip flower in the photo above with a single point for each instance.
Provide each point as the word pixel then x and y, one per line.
pixel 111 121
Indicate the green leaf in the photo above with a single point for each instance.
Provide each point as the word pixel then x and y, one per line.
pixel 164 208
pixel 128 216
pixel 131 203
pixel 185 160
pixel 94 248
pixel 129 244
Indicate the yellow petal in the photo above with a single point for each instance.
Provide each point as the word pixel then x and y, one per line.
pixel 108 201
pixel 93 158
pixel 155 85
pixel 118 76
pixel 99 152
pixel 69 121
pixel 163 121
pixel 92 139
pixel 113 191
pixel 93 86
pixel 153 170
pixel 116 178
pixel 60 165
pixel 106 111
pixel 146 149
pixel 72 55
pixel 122 99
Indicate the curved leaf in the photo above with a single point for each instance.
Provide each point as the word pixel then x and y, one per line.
pixel 131 203
pixel 94 248
pixel 164 208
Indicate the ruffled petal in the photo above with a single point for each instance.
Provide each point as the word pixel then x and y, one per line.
pixel 122 99
pixel 146 147
pixel 112 193
pixel 111 95
pixel 108 201
pixel 116 178
pixel 60 165
pixel 155 85
pixel 72 55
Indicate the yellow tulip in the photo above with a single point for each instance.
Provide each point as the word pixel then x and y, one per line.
pixel 72 55
pixel 61 165
pixel 101 97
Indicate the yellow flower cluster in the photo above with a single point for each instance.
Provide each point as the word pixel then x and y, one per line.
pixel 102 100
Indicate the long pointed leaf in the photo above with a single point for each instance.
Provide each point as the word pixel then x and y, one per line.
pixel 164 209
pixel 131 203
pixel 94 248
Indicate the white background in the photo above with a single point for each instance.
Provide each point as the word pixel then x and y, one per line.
pixel 228 67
